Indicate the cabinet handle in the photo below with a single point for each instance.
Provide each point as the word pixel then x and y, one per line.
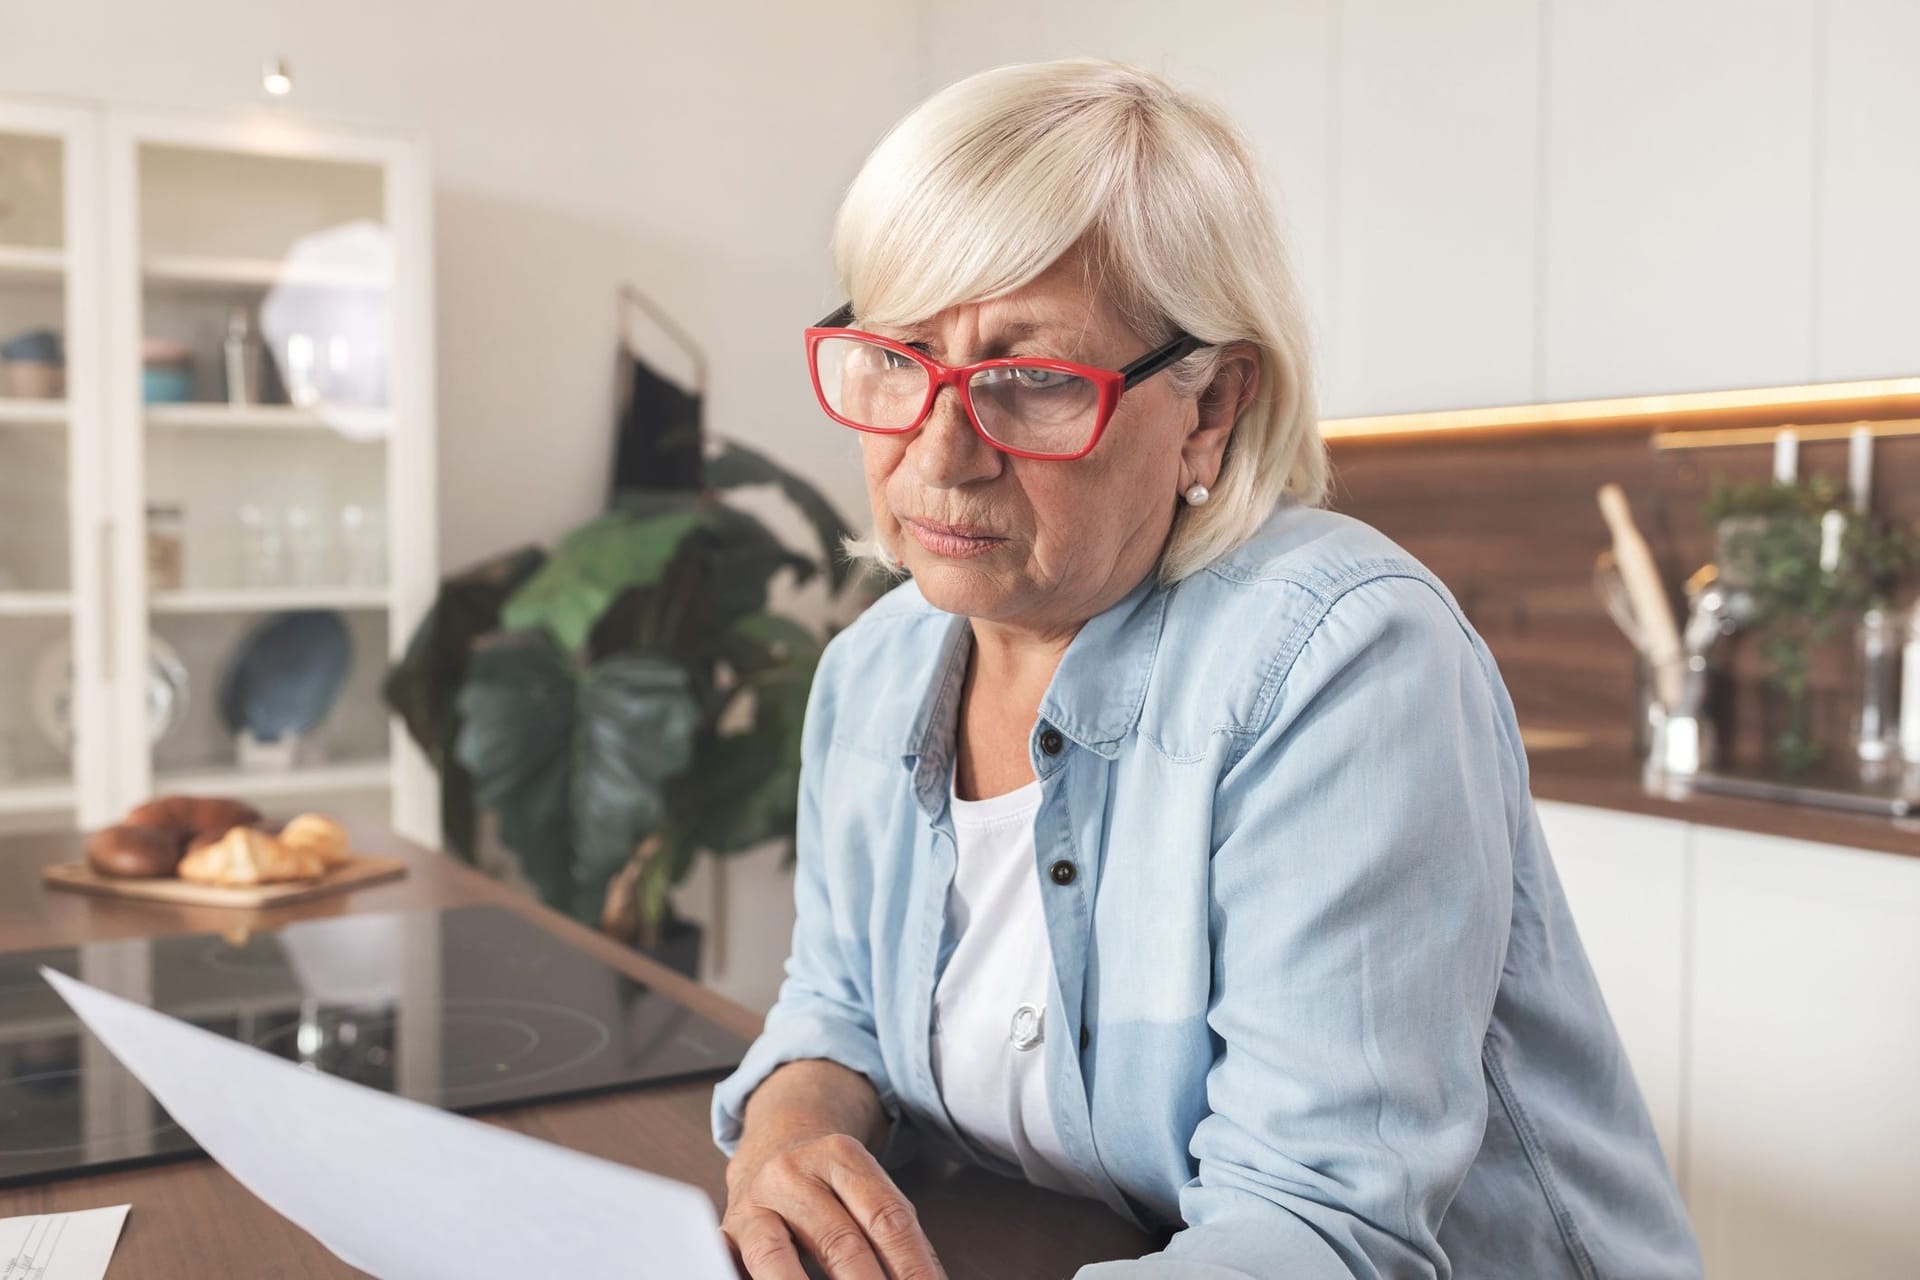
pixel 105 578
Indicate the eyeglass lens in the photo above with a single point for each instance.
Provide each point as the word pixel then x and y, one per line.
pixel 1035 409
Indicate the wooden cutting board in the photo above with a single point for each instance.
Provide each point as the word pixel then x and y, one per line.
pixel 362 870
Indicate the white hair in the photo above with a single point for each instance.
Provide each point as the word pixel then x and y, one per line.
pixel 993 179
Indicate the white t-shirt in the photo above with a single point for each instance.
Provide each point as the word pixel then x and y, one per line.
pixel 989 1008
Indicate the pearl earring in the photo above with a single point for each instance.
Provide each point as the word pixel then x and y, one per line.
pixel 1197 495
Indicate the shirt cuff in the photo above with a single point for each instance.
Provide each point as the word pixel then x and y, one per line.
pixel 796 1037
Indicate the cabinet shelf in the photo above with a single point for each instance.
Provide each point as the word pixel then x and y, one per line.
pixel 35 604
pixel 269 599
pixel 356 423
pixel 31 262
pixel 33 413
pixel 353 775
pixel 31 797
pixel 192 271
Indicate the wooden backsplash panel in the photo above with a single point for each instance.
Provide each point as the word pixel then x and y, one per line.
pixel 1510 524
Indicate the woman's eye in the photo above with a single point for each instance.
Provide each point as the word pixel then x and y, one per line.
pixel 895 360
pixel 1040 379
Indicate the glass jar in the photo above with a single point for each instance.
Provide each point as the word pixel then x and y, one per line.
pixel 166 546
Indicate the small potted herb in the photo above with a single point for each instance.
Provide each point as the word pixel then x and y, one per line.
pixel 1768 539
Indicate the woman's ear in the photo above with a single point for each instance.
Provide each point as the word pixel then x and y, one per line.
pixel 1236 380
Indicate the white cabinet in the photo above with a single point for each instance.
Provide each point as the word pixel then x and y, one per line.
pixel 1626 880
pixel 1434 172
pixel 1678 203
pixel 1804 1106
pixel 51 452
pixel 1867 299
pixel 1768 994
pixel 249 468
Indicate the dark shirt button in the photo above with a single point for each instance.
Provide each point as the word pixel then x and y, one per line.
pixel 1050 741
pixel 1086 1037
pixel 1062 872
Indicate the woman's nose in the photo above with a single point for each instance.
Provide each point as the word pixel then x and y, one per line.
pixel 946 451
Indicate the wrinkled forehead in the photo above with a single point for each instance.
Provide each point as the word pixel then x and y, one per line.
pixel 1068 304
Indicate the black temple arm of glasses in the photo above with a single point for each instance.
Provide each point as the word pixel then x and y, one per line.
pixel 1181 346
pixel 839 319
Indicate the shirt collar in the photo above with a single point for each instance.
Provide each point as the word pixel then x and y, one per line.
pixel 1095 696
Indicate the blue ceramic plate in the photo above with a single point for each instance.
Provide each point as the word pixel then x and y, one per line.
pixel 286 674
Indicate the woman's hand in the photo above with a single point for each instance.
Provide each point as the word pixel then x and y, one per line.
pixel 825 1194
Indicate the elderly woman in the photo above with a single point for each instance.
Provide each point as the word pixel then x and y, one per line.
pixel 1165 839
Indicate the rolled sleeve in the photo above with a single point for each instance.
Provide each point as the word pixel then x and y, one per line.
pixel 825 1005
pixel 1361 893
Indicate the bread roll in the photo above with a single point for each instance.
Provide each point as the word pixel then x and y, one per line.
pixel 215 816
pixel 194 817
pixel 173 812
pixel 134 851
pixel 319 835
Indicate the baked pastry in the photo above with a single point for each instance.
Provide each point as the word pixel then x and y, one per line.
pixel 319 835
pixel 249 856
pixel 135 851
pixel 210 840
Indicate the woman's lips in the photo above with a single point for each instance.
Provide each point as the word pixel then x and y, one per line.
pixel 957 542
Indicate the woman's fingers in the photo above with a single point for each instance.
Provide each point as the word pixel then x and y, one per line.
pixel 763 1245
pixel 886 1217
pixel 829 1197
pixel 823 1225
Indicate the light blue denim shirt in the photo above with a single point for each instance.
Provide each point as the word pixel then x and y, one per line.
pixel 1321 1008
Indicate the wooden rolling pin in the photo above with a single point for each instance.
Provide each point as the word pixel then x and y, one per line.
pixel 1641 578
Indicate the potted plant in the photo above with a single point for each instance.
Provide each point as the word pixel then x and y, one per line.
pixel 1768 538
pixel 627 702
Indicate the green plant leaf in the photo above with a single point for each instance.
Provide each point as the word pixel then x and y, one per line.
pixel 736 466
pixel 422 688
pixel 573 765
pixel 592 567
pixel 734 797
pixel 517 710
pixel 757 641
pixel 634 729
pixel 742 555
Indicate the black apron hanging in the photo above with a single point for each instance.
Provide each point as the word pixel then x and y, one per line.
pixel 659 443
pixel 659 437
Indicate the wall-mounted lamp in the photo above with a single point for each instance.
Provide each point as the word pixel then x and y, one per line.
pixel 276 78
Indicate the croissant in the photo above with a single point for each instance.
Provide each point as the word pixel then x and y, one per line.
pixel 246 856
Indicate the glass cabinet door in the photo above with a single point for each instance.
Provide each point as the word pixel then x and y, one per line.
pixel 52 754
pixel 257 363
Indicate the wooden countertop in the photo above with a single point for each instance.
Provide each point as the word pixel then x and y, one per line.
pixel 1611 779
pixel 190 1219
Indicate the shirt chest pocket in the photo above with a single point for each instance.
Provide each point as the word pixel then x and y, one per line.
pixel 1150 957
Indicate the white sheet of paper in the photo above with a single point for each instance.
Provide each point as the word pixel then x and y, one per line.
pixel 399 1189
pixel 60 1246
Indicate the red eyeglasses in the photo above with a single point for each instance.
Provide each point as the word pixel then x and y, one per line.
pixel 1052 410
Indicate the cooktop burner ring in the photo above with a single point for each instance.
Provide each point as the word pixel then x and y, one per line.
pixel 125 1136
pixel 517 1015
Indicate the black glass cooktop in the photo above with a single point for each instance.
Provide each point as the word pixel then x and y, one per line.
pixel 465 1009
